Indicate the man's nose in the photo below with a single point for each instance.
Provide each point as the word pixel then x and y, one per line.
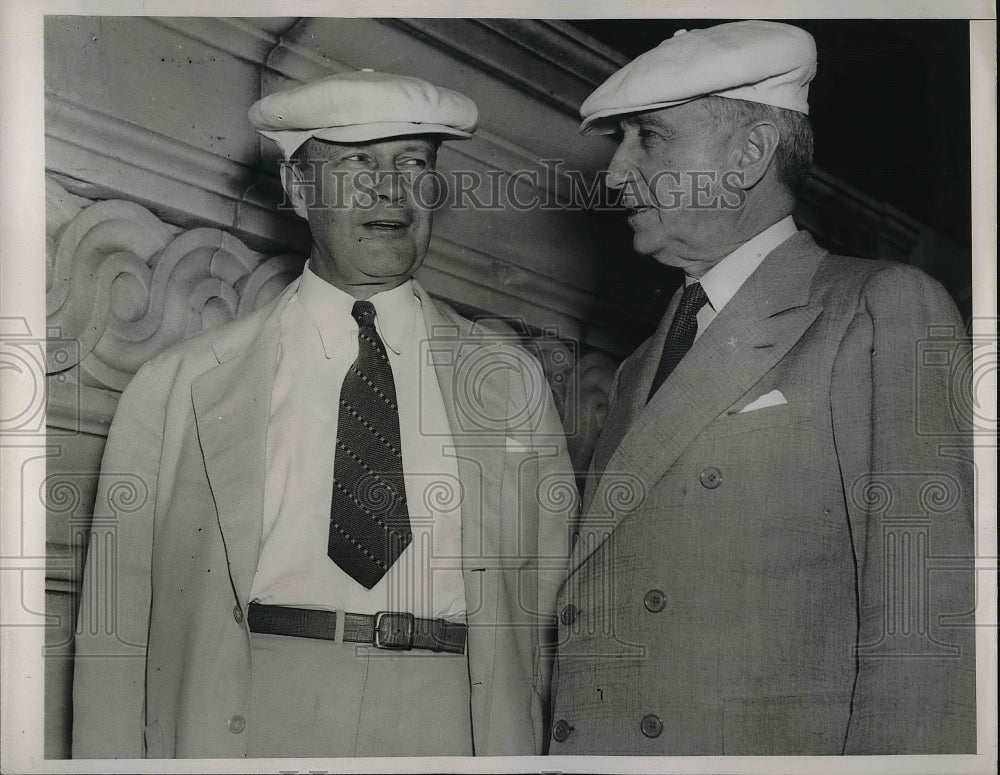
pixel 389 185
pixel 619 168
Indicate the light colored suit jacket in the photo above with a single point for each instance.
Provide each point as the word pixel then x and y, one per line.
pixel 795 579
pixel 163 649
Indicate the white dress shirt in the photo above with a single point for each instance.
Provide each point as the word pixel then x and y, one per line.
pixel 721 282
pixel 318 343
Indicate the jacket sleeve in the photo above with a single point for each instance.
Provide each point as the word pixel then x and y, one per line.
pixel 901 415
pixel 113 615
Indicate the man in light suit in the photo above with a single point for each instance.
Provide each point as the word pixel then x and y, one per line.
pixel 775 549
pixel 336 543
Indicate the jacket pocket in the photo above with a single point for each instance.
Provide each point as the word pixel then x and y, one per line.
pixel 788 416
pixel 779 726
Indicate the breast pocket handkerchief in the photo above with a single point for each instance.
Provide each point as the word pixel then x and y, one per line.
pixel 774 398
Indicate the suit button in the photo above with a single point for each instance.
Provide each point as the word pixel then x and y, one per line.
pixel 651 725
pixel 711 478
pixel 655 601
pixel 561 730
pixel 238 614
pixel 568 615
pixel 237 724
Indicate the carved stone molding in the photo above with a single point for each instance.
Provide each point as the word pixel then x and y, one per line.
pixel 100 156
pixel 124 285
pixel 553 61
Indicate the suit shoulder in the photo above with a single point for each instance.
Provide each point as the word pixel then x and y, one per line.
pixel 894 297
pixel 490 331
pixel 849 272
pixel 481 325
pixel 198 351
pixel 842 267
pixel 875 279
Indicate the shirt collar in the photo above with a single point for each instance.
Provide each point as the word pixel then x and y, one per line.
pixel 330 309
pixel 395 315
pixel 725 278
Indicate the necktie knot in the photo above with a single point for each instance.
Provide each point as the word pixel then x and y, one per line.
pixel 681 335
pixel 692 300
pixel 364 313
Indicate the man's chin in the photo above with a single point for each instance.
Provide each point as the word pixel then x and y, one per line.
pixel 391 272
pixel 642 245
pixel 660 255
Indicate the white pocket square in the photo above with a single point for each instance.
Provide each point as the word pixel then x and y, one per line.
pixel 774 398
pixel 514 444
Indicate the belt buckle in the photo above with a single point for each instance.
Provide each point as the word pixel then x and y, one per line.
pixel 394 630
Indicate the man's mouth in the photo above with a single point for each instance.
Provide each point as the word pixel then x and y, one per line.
pixel 634 203
pixel 387 224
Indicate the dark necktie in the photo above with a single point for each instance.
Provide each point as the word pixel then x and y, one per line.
pixel 369 521
pixel 681 335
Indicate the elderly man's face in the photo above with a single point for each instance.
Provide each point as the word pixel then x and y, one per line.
pixel 370 225
pixel 672 166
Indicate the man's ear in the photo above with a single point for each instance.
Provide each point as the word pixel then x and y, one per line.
pixel 296 188
pixel 756 154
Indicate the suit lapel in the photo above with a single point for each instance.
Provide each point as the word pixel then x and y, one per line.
pixel 632 385
pixel 231 408
pixel 761 323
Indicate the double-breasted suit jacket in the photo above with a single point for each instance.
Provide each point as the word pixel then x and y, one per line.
pixel 793 579
pixel 163 653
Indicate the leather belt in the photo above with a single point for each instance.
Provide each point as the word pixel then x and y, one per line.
pixel 385 630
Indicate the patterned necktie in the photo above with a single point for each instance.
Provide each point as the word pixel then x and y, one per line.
pixel 369 521
pixel 681 335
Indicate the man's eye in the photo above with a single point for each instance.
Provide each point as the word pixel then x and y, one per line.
pixel 415 162
pixel 358 157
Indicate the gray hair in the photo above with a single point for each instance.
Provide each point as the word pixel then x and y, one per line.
pixel 793 158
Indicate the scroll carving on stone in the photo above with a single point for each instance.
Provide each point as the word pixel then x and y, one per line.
pixel 125 285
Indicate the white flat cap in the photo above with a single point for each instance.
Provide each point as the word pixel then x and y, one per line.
pixel 756 61
pixel 362 106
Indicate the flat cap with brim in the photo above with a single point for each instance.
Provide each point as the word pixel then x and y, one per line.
pixel 758 61
pixel 362 106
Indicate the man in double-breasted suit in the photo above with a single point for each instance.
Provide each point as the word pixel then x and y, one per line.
pixel 774 555
pixel 334 542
